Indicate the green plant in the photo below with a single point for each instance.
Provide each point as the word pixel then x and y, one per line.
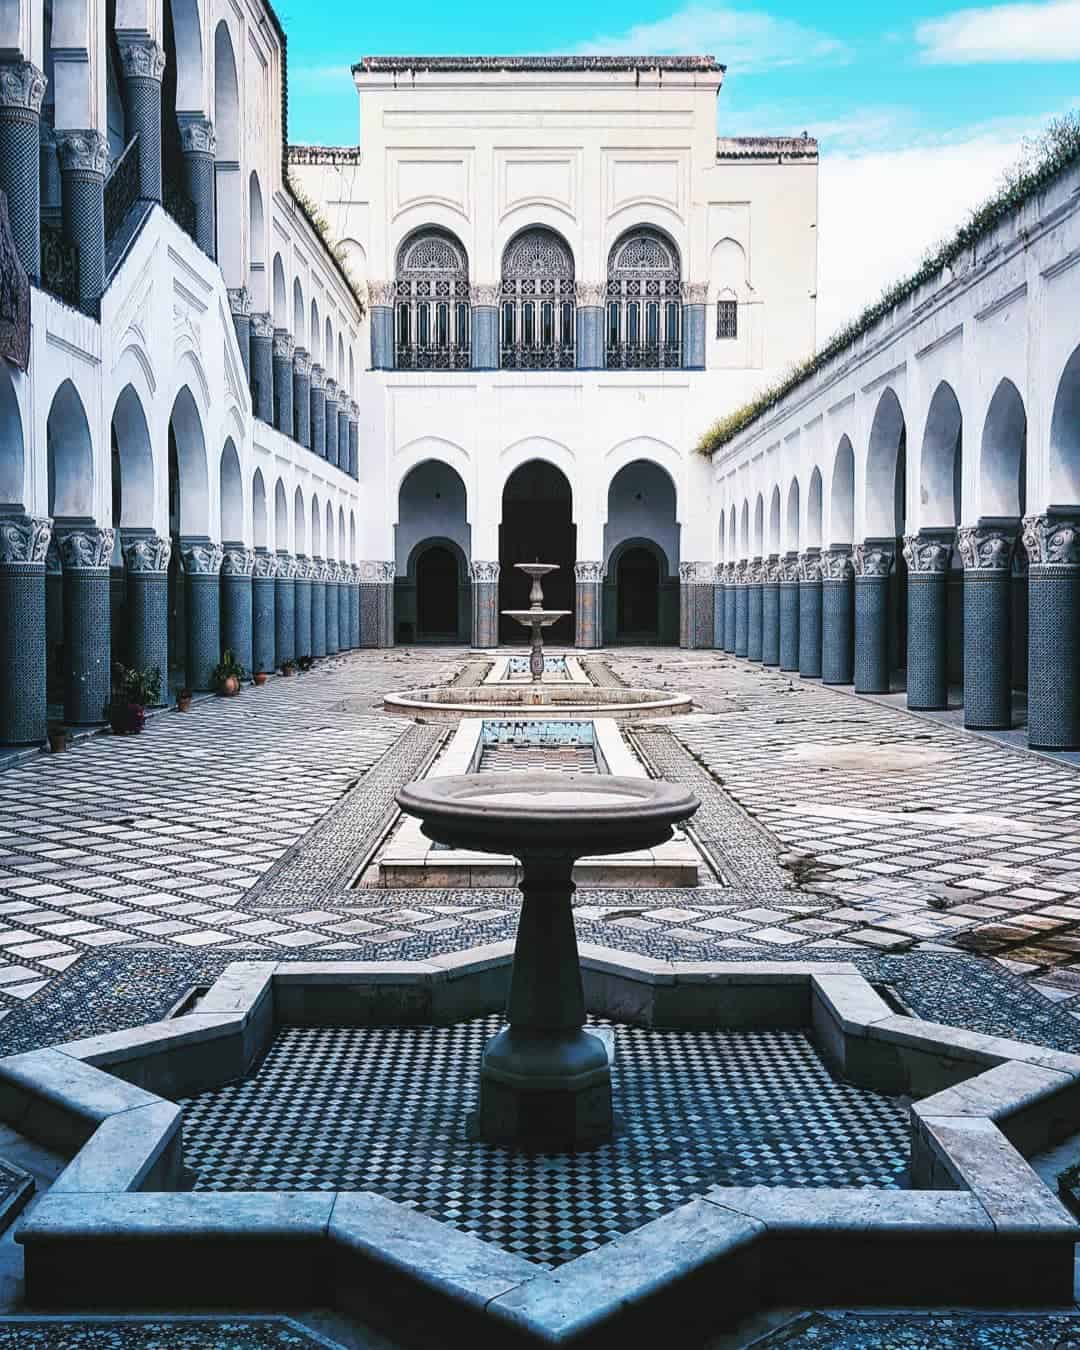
pixel 1040 162
pixel 318 222
pixel 228 668
pixel 142 687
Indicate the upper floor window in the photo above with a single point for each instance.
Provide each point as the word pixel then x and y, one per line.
pixel 727 318
pixel 536 317
pixel 432 303
pixel 644 303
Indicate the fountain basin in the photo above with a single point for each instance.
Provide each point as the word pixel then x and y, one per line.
pixel 450 702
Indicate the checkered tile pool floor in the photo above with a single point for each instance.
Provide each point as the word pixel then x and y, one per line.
pixel 385 1109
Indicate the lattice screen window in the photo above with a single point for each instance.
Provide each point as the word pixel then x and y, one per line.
pixel 537 312
pixel 644 302
pixel 727 318
pixel 432 316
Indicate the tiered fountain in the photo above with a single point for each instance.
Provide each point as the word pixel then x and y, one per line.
pixel 536 617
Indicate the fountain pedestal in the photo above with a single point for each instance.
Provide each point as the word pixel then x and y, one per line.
pixel 536 618
pixel 545 1081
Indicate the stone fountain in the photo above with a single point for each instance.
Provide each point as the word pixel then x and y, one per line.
pixel 545 1081
pixel 536 617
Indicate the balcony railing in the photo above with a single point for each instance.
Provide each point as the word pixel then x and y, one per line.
pixel 59 265
pixel 122 188
pixel 413 357
pixel 645 356
pixel 550 356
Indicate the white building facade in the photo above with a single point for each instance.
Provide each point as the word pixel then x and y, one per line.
pixel 568 277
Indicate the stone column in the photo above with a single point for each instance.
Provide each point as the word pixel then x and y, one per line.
pixel 292 608
pixel 381 298
pixel 770 612
pixel 237 566
pixel 837 609
pixel 872 562
pixel 85 553
pixel 354 606
pixel 588 605
pixel 302 397
pixel 485 326
pixel 789 612
pixel 695 605
pixel 202 569
pixel 730 594
pixel 485 603
pixel 262 368
pixel 318 412
pixel 810 614
pixel 742 605
pixel 927 555
pixel 317 573
pixel 330 421
pixel 263 611
pixel 693 331
pixel 354 440
pixel 1052 542
pixel 240 308
pixel 22 88
pixel 330 583
pixel 142 61
pixel 198 143
pixel 24 541
pixel 987 553
pixel 755 577
pixel 591 348
pixel 283 381
pixel 718 607
pixel 377 604
pixel 50 176
pixel 343 435
pixel 146 560
pixel 84 157
pixel 344 586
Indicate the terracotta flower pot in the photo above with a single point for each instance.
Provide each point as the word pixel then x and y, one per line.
pixel 183 702
pixel 229 686
pixel 286 670
pixel 58 739
pixel 259 677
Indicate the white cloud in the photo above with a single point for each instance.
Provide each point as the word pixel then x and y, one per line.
pixel 1003 33
pixel 750 41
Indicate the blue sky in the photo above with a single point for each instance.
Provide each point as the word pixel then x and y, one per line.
pixel 918 108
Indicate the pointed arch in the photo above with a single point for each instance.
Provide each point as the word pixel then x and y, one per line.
pixel 13 487
pixel 227 181
pixel 131 443
pixel 299 314
pixel 774 519
pixel 256 245
pixel 188 444
pixel 280 316
pixel 842 500
pixel 281 516
pixel 70 453
pixel 791 519
pixel 940 465
pixel 885 508
pixel 759 525
pixel 232 494
pixel 316 528
pixel 299 523
pixel 259 530
pixel 813 511
pixel 1064 482
pixel 1003 454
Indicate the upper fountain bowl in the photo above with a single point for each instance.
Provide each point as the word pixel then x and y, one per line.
pixel 543 618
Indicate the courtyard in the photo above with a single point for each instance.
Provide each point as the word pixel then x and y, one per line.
pixel 942 866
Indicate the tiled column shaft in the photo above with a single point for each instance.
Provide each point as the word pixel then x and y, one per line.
pixel 262 368
pixel 202 573
pixel 810 614
pixel 719 589
pixel 1053 549
pixel 590 327
pixel 22 88
pixel 263 612
pixel 695 605
pixel 753 610
pixel 330 415
pixel 343 437
pixel 85 552
pixel 484 577
pixel 318 412
pixel 318 606
pixel 302 397
pixel 292 609
pixel 742 607
pixel 354 444
pixel 344 586
pixel 987 556
pixel 237 567
pixel 146 559
pixel 693 334
pixel 588 605
pixel 283 381
pixel 24 541
pixel 377 604
pixel 927 556
pixel 354 608
pixel 770 613
pixel 837 609
pixel 240 306
pixel 730 590
pixel 333 643
pixel 381 299
pixel 198 143
pixel 485 337
pixel 789 612
pixel 872 563
pixel 142 62
pixel 84 157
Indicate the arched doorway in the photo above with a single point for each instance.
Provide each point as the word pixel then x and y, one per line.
pixel 537 526
pixel 438 613
pixel 641 545
pixel 637 587
pixel 432 516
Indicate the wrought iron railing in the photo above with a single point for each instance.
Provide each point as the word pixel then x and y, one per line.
pixel 122 188
pixel 59 265
pixel 180 206
pixel 413 357
pixel 645 356
pixel 551 356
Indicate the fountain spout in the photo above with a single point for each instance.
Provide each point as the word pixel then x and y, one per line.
pixel 536 617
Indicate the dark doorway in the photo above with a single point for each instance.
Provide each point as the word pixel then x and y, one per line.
pixel 537 526
pixel 437 595
pixel 638 597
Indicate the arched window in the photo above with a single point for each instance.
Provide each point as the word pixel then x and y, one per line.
pixel 432 314
pixel 644 303
pixel 537 315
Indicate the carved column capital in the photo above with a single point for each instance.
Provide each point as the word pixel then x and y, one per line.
pixel 239 301
pixel 24 539
pixel 590 294
pixel 301 361
pixel 810 566
pixel 262 326
pixel 237 562
pixel 789 569
pixel 201 557
pixel 283 344
pixel 331 391
pixel 871 560
pixel 197 136
pixel 485 294
pixel 141 57
pixel 927 553
pixel 85 548
pixel 380 294
pixel 985 548
pixel 83 152
pixel 695 292
pixel 318 378
pixel 146 553
pixel 836 565
pixel 22 86
pixel 265 566
pixel 695 573
pixel 588 571
pixel 772 569
pixel 1052 540
pixel 483 571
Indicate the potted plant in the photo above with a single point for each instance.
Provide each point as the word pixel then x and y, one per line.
pixel 306 662
pixel 183 700
pixel 133 692
pixel 288 667
pixel 227 675
pixel 58 737
pixel 259 677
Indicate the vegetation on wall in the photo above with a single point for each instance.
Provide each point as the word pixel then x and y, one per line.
pixel 318 222
pixel 1040 162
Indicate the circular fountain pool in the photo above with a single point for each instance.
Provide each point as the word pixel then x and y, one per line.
pixel 450 702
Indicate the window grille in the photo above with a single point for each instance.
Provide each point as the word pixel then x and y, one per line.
pixel 727 319
pixel 431 312
pixel 537 310
pixel 644 303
